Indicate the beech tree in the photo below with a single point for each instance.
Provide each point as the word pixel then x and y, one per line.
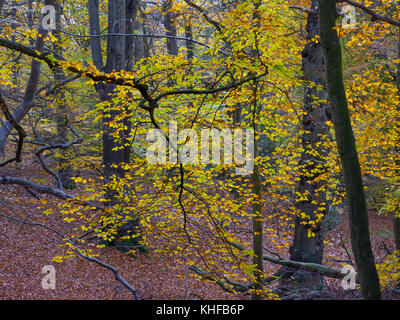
pixel 358 215
pixel 106 118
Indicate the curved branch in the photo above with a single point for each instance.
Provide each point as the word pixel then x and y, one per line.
pixel 20 130
pixel 374 15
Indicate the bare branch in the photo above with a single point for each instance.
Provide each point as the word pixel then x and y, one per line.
pixel 319 268
pixel 46 190
pixel 204 14
pixel 63 146
pixel 308 10
pixel 20 130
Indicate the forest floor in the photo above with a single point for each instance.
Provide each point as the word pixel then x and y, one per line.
pixel 25 249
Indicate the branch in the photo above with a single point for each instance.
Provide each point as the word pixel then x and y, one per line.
pixel 63 146
pixel 20 130
pixel 141 35
pixel 204 14
pixel 314 267
pixel 54 61
pixel 232 85
pixel 50 90
pixel 308 10
pixel 226 284
pixel 374 15
pixel 46 190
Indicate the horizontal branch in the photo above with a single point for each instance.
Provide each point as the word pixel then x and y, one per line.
pixel 226 284
pixel 6 180
pixel 53 61
pixel 304 9
pixel 140 35
pixel 314 267
pixel 232 85
pixel 114 78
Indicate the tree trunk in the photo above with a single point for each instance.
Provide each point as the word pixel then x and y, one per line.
pixel 258 231
pixel 65 171
pixel 113 154
pixel 258 234
pixel 30 92
pixel 121 19
pixel 305 248
pixel 396 215
pixel 358 214
pixel 170 28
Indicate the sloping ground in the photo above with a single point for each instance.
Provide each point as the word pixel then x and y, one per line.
pixel 25 249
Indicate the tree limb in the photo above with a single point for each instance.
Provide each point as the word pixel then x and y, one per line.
pixel 46 190
pixel 20 130
pixel 374 15
pixel 314 267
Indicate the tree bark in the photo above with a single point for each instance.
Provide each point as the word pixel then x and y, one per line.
pixel 121 19
pixel 65 171
pixel 358 214
pixel 170 28
pixel 396 215
pixel 257 223
pixel 305 248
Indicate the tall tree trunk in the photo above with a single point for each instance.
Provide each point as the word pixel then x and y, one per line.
pixel 257 223
pixel 396 215
pixel 65 171
pixel 113 154
pixel 305 248
pixel 121 19
pixel 258 232
pixel 189 36
pixel 358 214
pixel 170 28
pixel 132 7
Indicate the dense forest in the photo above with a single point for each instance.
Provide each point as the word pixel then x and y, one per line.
pixel 193 149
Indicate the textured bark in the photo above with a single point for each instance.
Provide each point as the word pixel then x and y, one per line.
pixel 132 8
pixel 358 215
pixel 120 55
pixel 116 61
pixel 189 44
pixel 396 215
pixel 95 42
pixel 305 248
pixel 170 28
pixel 258 232
pixel 258 239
